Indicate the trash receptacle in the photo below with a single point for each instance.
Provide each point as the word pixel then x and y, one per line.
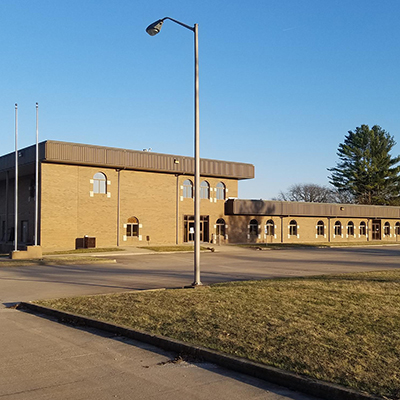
pixel 89 242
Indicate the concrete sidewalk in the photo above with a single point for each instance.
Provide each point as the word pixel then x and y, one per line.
pixel 42 359
pixel 135 250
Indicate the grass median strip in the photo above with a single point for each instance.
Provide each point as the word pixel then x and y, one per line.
pixel 343 329
pixel 84 251
pixel 54 261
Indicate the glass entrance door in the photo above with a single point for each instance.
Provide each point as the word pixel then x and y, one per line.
pixel 189 228
pixel 376 229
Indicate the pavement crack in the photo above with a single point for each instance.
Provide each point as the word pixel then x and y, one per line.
pixel 41 388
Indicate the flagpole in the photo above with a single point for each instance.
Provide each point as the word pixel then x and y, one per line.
pixel 37 176
pixel 16 180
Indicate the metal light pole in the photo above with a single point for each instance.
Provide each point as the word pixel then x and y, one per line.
pixel 16 181
pixel 152 30
pixel 37 176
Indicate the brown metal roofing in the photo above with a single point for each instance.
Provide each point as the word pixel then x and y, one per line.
pixel 82 154
pixel 287 208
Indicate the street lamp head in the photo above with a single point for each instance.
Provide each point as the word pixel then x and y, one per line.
pixel 155 27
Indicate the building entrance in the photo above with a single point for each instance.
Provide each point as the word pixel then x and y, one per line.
pixel 189 228
pixel 376 229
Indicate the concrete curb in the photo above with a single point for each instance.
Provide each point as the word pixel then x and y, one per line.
pixel 46 262
pixel 121 253
pixel 290 380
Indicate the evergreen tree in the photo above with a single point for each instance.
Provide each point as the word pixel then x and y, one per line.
pixel 366 169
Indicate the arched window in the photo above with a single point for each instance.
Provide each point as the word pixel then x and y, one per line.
pixel 386 229
pixel 220 225
pixel 350 228
pixel 132 227
pixel 188 189
pixel 397 228
pixel 363 228
pixel 293 228
pixel 253 227
pixel 204 190
pixel 99 183
pixel 270 228
pixel 221 191
pixel 338 228
pixel 320 228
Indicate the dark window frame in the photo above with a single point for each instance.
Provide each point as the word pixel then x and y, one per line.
pixel 253 228
pixel 270 228
pixel 293 228
pixel 320 228
pixel 99 183
pixel 337 230
pixel 350 228
pixel 205 190
pixel 221 191
pixel 386 229
pixel 187 189
pixel 363 228
pixel 132 227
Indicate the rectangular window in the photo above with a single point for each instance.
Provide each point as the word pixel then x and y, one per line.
pixel 132 230
pixel 102 185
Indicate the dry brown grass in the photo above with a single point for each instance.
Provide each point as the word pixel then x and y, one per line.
pixel 343 329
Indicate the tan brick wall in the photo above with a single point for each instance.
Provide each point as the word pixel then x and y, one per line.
pixel 69 211
pixel 306 230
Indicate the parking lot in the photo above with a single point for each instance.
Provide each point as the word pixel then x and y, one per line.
pixel 138 271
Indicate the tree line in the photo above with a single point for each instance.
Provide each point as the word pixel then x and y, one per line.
pixel 366 172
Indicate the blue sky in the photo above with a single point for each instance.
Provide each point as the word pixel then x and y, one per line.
pixel 281 81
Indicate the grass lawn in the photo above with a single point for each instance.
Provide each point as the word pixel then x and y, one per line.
pixel 343 328
pixel 90 250
pixel 316 244
pixel 53 261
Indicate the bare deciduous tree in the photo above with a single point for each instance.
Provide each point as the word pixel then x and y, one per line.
pixel 312 193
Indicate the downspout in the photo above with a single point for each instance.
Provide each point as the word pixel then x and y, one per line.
pixel 118 206
pixel 177 211
pixel 6 210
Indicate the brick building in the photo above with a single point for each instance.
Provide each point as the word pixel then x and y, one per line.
pixel 262 221
pixel 118 196
pixel 124 197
